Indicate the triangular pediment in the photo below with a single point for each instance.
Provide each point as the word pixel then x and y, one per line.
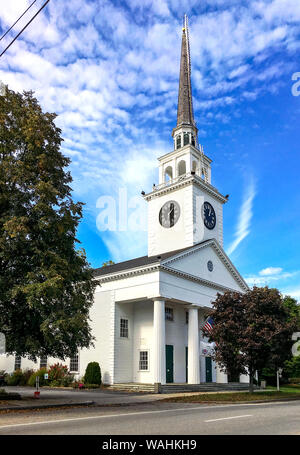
pixel 209 263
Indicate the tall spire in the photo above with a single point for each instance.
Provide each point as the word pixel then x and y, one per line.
pixel 185 114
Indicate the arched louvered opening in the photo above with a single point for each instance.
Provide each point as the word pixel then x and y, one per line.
pixel 194 166
pixel 168 174
pixel 181 168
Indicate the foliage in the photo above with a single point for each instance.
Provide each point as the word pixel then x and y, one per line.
pixel 15 378
pixel 57 371
pixel 251 330
pixel 292 367
pixel 40 373
pixel 46 284
pixel 295 380
pixel 91 386
pixel 59 376
pixel 92 374
pixel 26 375
pixel 67 381
pixel 107 263
pixel 293 308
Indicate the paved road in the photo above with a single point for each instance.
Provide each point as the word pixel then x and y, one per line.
pixel 159 419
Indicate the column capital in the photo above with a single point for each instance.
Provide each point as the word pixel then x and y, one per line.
pixel 155 299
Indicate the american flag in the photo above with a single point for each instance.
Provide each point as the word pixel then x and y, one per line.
pixel 208 324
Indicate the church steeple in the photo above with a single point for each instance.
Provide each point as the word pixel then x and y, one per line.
pixel 185 114
pixel 185 131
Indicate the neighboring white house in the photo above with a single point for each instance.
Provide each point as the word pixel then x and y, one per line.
pixel 148 312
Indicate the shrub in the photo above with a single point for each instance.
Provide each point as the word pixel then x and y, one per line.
pixel 64 382
pixel 40 373
pixel 59 375
pixel 15 378
pixel 57 371
pixel 91 386
pixel 92 374
pixel 292 367
pixel 26 375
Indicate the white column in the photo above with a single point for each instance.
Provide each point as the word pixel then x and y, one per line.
pixel 193 347
pixel 222 377
pixel 159 342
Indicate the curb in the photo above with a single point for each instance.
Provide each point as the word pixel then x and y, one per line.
pixel 47 406
pixel 276 400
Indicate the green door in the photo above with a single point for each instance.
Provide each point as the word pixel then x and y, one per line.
pixel 208 369
pixel 169 363
pixel 186 363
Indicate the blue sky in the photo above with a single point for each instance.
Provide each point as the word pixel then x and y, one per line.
pixel 110 69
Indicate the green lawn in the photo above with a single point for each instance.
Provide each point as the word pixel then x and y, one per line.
pixel 291 388
pixel 269 394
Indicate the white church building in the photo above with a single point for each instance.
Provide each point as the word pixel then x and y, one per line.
pixel 148 312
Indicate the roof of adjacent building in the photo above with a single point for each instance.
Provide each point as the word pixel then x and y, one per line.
pixel 139 262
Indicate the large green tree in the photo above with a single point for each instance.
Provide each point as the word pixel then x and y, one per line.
pixel 46 284
pixel 251 330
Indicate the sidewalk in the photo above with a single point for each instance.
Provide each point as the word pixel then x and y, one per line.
pixel 52 397
pixel 59 397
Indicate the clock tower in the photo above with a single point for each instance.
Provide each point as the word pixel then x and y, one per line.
pixel 184 208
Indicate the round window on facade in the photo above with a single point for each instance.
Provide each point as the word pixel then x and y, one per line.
pixel 210 266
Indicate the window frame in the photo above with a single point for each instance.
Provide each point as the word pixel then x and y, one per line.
pixel 18 361
pixel 171 312
pixel 43 364
pixel 143 360
pixel 122 328
pixel 72 370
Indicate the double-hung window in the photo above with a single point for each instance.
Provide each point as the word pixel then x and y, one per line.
pixel 144 360
pixel 124 328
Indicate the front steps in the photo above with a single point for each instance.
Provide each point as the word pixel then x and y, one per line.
pixel 180 388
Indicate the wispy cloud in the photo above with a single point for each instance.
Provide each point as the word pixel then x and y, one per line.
pixel 243 225
pixel 270 271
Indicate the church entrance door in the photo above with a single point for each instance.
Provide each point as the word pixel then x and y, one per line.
pixel 169 363
pixel 208 369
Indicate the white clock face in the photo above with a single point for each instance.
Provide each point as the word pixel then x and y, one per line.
pixel 169 214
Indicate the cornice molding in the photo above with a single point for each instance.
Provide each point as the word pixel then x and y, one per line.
pixel 164 266
pixel 185 182
pixel 220 253
pixel 128 273
pixel 196 279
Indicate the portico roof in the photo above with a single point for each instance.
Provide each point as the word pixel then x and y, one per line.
pixel 140 261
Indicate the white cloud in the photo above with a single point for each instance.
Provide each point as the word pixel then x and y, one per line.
pixel 292 292
pixel 270 271
pixel 245 215
pixel 270 275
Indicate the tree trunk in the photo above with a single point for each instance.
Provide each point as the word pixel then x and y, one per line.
pixel 251 385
